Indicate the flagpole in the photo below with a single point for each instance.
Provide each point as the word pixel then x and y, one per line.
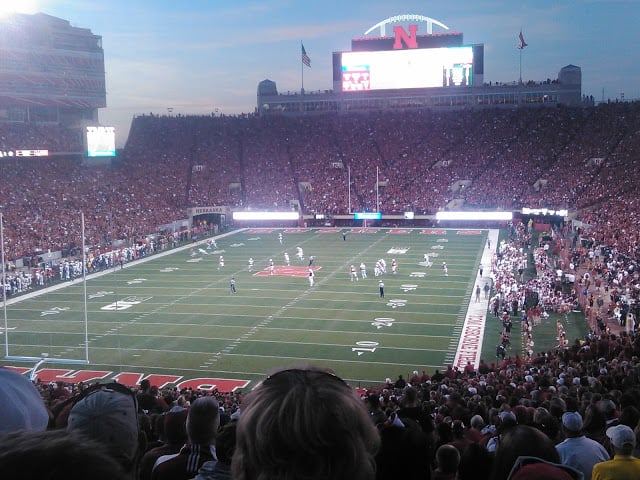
pixel 377 194
pixel 521 46
pixel 349 187
pixel 521 65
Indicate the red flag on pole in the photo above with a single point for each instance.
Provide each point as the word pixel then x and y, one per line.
pixel 522 42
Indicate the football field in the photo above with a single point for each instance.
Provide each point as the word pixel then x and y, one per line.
pixel 174 313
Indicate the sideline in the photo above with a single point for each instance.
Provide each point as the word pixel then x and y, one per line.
pixel 68 283
pixel 472 335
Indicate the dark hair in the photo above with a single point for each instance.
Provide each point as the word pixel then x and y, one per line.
pixel 522 440
pixel 226 442
pixel 55 455
pixel 447 459
pixel 475 463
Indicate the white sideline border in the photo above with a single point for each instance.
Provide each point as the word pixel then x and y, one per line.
pixel 68 283
pixel 472 335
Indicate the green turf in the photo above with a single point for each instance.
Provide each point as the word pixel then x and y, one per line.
pixel 188 323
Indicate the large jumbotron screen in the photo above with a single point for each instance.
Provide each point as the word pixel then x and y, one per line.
pixel 413 68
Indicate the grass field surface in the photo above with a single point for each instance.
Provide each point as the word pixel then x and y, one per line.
pixel 175 313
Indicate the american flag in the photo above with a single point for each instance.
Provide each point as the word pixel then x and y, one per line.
pixel 305 58
pixel 522 42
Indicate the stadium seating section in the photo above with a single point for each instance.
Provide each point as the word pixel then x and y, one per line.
pixel 499 159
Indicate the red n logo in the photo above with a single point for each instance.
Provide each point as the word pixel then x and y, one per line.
pixel 410 40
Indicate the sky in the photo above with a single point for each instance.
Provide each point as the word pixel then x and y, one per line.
pixel 208 56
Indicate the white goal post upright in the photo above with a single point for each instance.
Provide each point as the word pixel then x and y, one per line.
pixel 4 290
pixel 44 357
pixel 84 294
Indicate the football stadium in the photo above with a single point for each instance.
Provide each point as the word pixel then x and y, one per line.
pixel 412 228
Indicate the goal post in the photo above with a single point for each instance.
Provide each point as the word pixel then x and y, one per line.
pixel 44 356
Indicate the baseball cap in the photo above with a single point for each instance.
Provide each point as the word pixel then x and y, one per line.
pixel 621 436
pixel 572 421
pixel 108 414
pixel 22 404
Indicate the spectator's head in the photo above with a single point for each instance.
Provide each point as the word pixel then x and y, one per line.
pixel 594 420
pixel 546 422
pixel 22 407
pixel 55 455
pixel 506 421
pixel 622 438
pixel 203 421
pixel 607 407
pixel 304 423
pixel 533 468
pixel 522 440
pixel 444 431
pixel 557 407
pixel 174 425
pixel 410 397
pixel 475 463
pixel 108 414
pixel 629 416
pixel 457 429
pixel 477 422
pixel 226 443
pixel 447 459
pixel 522 415
pixel 572 424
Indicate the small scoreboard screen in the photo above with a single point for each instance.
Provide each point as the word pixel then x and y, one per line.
pixel 101 141
pixel 367 216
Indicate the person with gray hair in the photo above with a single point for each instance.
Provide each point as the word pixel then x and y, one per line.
pixel 304 423
pixel 623 466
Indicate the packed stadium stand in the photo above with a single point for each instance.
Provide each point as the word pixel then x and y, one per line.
pixel 426 161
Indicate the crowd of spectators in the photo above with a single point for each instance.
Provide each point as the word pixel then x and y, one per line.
pixel 396 161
